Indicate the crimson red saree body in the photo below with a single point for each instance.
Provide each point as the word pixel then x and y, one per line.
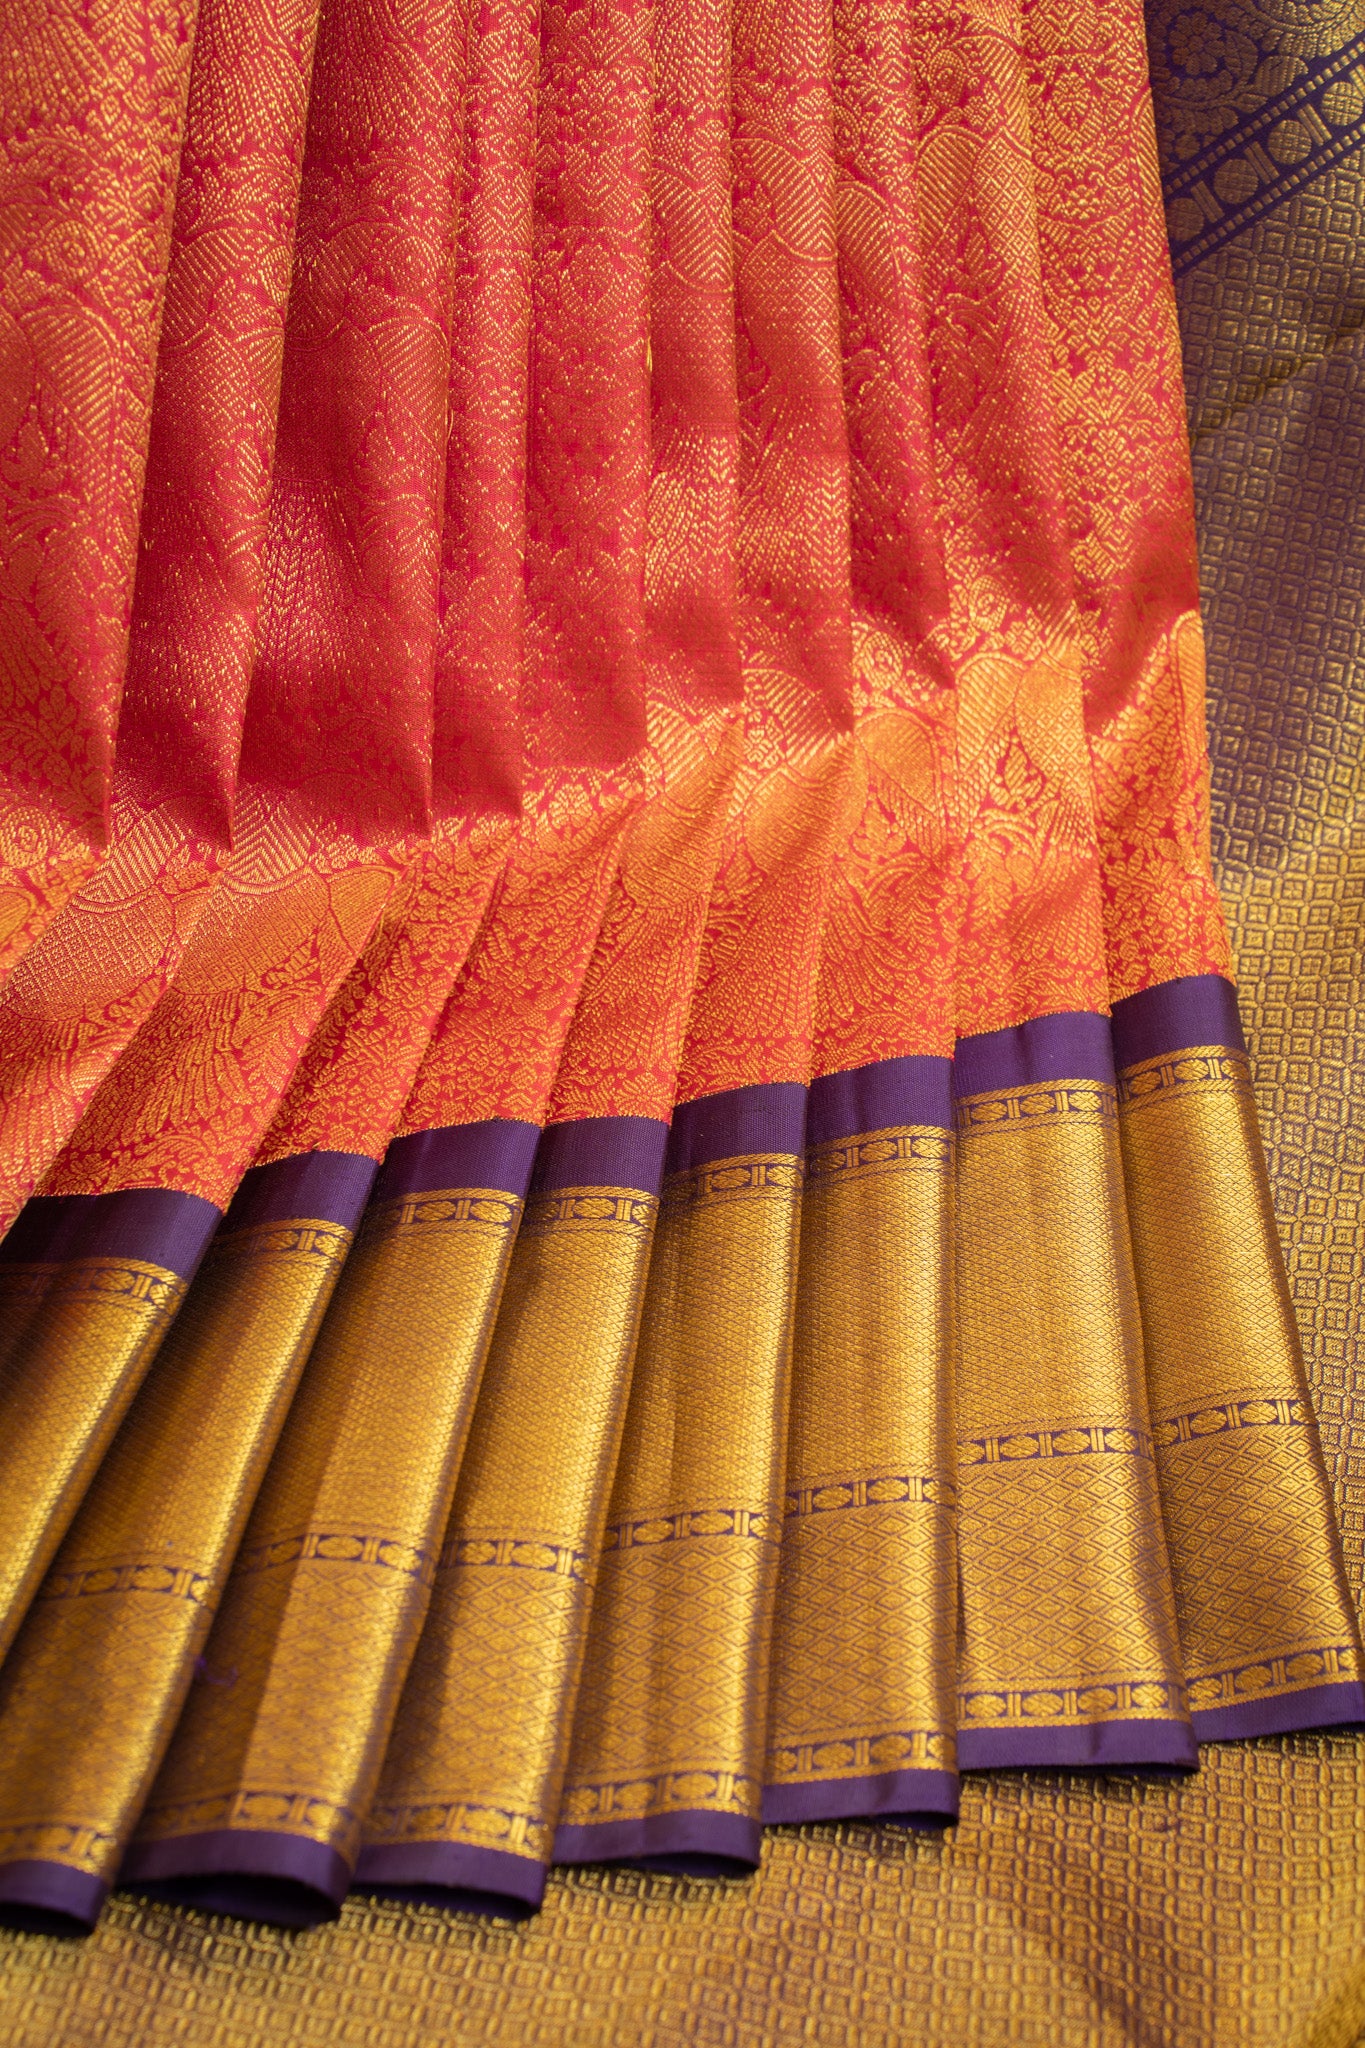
pixel 634 1205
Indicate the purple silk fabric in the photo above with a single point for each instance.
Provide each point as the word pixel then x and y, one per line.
pixel 495 1154
pixel 1099 1745
pixel 602 1152
pixel 1076 1046
pixel 887 1795
pixel 738 1121
pixel 49 1898
pixel 1318 1706
pixel 324 1187
pixel 452 1874
pixel 915 1090
pixel 1197 1009
pixel 257 1874
pixel 158 1226
pixel 693 1843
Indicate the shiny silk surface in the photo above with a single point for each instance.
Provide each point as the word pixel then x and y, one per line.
pixel 630 813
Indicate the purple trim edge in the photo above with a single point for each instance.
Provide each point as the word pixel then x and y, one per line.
pixel 450 1867
pixel 890 1795
pixel 497 1153
pixel 1194 1009
pixel 326 1187
pixel 34 1891
pixel 917 1089
pixel 603 1152
pixel 719 1839
pixel 1076 1045
pixel 160 1226
pixel 255 1873
pixel 1317 1706
pixel 768 1117
pixel 1110 1745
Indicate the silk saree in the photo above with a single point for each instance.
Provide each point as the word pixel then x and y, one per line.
pixel 634 1207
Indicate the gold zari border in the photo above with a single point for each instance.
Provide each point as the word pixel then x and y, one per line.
pixel 1087 1701
pixel 681 1791
pixel 921 1145
pixel 1194 1069
pixel 128 1282
pixel 1049 1102
pixel 862 1756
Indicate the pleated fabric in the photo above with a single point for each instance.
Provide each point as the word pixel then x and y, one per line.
pixel 633 1206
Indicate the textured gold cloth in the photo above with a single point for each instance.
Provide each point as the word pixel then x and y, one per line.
pixel 132 1591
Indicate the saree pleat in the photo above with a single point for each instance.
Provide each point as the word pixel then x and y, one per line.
pixel 472 1776
pixel 186 1107
pixel 638 1207
pixel 69 1012
pixel 84 273
pixel 112 1643
pixel 263 1797
pixel 471 1785
pixel 667 1758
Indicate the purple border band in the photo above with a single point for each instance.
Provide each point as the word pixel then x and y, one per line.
pixel 160 1226
pixel 770 1117
pixel 497 1153
pixel 49 1898
pixel 326 1187
pixel 1075 1046
pixel 700 1844
pixel 1080 1045
pixel 893 1795
pixel 917 1089
pixel 1112 1745
pixel 1196 1009
pixel 602 1152
pixel 1318 1706
pixel 285 1880
pixel 452 1874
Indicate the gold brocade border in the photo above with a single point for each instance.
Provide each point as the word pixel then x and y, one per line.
pixel 761 1522
pixel 66 1842
pixel 516 1553
pixel 129 1282
pixel 293 1234
pixel 897 1145
pixel 1257 1411
pixel 443 1206
pixel 683 1791
pixel 1123 1699
pixel 877 1490
pixel 1079 1440
pixel 339 1546
pixel 1051 1102
pixel 1328 1664
pixel 467 1821
pixel 722 1179
pixel 590 1205
pixel 263 1808
pixel 863 1756
pixel 133 1575
pixel 1194 1069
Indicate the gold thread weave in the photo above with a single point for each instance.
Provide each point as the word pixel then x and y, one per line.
pixel 1068 1612
pixel 90 1693
pixel 1262 1603
pixel 286 1726
pixel 865 1633
pixel 672 1712
pixel 76 1340
pixel 478 1749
